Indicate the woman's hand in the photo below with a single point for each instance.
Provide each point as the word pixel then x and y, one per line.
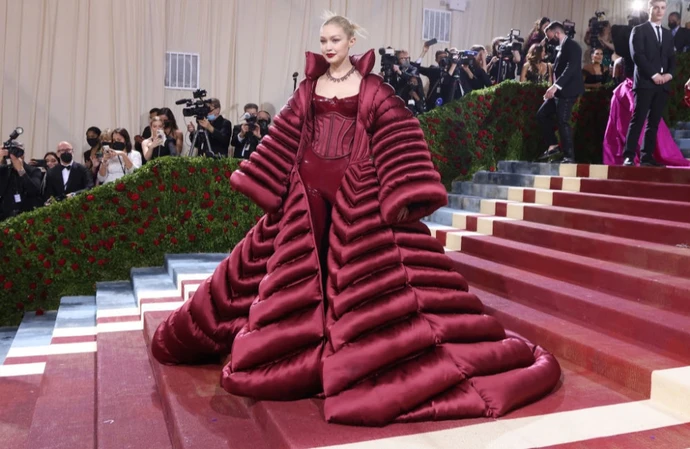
pixel 403 214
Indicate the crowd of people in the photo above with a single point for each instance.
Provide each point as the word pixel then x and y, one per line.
pixel 114 153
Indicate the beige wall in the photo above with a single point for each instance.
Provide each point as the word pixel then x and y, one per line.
pixel 69 64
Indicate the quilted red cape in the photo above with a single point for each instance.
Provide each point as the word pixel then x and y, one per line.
pixel 395 336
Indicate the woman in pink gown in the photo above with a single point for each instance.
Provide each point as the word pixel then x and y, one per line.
pixel 622 106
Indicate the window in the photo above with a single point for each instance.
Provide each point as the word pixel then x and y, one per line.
pixel 181 70
pixel 436 25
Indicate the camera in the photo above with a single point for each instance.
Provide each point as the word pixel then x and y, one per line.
pixel 12 146
pixel 196 106
pixel 466 57
pixel 513 42
pixel 250 120
pixel 569 27
pixel 388 60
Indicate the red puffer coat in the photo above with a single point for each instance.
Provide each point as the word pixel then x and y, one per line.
pixel 394 335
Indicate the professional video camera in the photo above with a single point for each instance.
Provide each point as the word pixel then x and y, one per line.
pixel 596 24
pixel 388 60
pixel 513 42
pixel 195 107
pixel 466 57
pixel 569 27
pixel 12 146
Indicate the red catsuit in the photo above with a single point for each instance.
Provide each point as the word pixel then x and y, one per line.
pixel 325 162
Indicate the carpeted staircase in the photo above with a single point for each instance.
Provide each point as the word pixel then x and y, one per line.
pixel 681 134
pixel 591 262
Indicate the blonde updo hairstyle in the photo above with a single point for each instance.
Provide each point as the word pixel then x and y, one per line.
pixel 350 28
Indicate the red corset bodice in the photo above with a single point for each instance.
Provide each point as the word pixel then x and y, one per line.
pixel 334 126
pixel 324 164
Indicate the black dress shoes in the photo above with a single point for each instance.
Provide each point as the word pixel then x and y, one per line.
pixel 629 162
pixel 567 160
pixel 551 155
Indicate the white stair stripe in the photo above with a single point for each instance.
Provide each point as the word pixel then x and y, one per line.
pixel 536 431
pixel 55 349
pixel 22 369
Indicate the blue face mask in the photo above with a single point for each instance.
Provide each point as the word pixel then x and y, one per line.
pixel 211 117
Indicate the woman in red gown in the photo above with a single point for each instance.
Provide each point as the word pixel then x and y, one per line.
pixel 339 290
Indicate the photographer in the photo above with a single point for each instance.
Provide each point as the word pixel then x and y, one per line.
pixel 407 83
pixel 246 137
pixel 20 183
pixel 598 35
pixel 67 178
pixel 218 129
pixel 473 74
pixel 505 58
pixel 440 80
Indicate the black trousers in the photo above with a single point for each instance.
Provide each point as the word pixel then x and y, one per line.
pixel 649 105
pixel 557 111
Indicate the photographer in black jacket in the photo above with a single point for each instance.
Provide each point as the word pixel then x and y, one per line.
pixel 218 129
pixel 473 75
pixel 20 183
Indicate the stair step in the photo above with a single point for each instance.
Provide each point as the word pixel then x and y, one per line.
pixel 498 178
pixel 115 299
pixel 640 228
pixel 634 207
pixel 200 414
pixel 634 284
pixel 636 253
pixel 465 202
pixel 683 143
pixel 33 336
pixel 183 262
pixel 644 174
pixel 154 282
pixel 622 362
pixel 76 320
pixel 648 326
pixel 203 415
pixel 528 168
pixel 634 189
pixel 482 190
pixel 64 413
pixel 129 411
pixel 443 215
pixel 6 337
pixel 19 396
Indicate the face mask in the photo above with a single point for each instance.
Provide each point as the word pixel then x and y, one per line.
pixel 118 146
pixel 66 158
pixel 262 123
pixel 92 141
pixel 211 117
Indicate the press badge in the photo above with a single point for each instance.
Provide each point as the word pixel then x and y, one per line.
pixel 17 198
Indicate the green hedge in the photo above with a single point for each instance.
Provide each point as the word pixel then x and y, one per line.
pixel 173 205
pixel 498 123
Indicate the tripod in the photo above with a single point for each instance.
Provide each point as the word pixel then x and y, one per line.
pixel 192 149
pixel 503 66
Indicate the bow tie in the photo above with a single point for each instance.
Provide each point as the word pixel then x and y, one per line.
pixel 66 167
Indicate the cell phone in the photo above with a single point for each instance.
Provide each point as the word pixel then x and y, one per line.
pixel 433 41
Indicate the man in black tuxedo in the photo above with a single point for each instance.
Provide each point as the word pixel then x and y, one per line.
pixel 68 177
pixel 20 183
pixel 681 35
pixel 652 49
pixel 561 96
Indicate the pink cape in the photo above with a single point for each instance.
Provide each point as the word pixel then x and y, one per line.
pixel 622 105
